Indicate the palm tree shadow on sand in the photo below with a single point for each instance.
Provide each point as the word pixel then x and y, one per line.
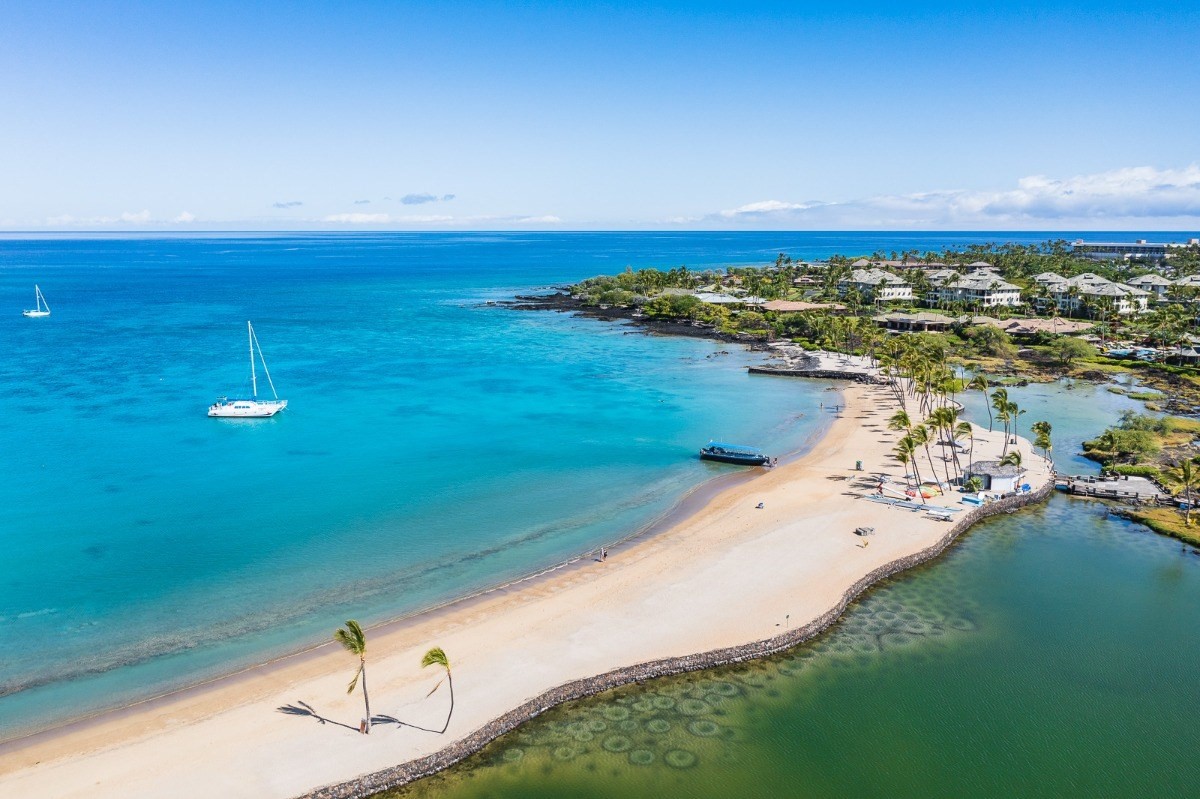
pixel 305 710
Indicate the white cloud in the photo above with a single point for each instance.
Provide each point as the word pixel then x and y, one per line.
pixel 765 207
pixel 358 219
pixel 184 217
pixel 1127 196
pixel 140 218
pixel 538 220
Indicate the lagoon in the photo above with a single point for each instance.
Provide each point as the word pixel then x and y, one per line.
pixel 1050 653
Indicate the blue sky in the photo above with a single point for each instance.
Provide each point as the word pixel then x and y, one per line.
pixel 145 116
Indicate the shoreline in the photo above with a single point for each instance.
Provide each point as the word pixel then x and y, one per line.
pixel 714 581
pixel 405 773
pixel 688 504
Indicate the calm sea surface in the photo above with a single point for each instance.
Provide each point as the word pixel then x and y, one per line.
pixel 1051 653
pixel 434 445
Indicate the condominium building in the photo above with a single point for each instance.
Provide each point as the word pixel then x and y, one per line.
pixel 876 284
pixel 977 290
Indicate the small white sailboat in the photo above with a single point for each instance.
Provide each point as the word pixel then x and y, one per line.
pixel 42 308
pixel 253 407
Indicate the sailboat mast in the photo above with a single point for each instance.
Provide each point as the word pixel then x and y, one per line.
pixel 266 371
pixel 253 377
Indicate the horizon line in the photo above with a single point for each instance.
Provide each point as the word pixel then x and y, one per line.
pixel 160 231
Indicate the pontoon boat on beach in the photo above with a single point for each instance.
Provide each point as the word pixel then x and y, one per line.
pixel 735 453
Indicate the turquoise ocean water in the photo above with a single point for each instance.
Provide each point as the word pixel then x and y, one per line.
pixel 434 445
pixel 1051 653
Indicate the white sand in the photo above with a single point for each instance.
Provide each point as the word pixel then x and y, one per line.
pixel 727 575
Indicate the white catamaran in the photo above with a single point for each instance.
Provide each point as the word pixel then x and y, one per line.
pixel 253 407
pixel 42 308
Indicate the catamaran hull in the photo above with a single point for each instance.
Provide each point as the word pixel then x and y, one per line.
pixel 246 410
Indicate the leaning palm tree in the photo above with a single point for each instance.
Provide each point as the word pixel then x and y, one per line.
pixel 1042 431
pixel 1000 403
pixel 1013 413
pixel 900 421
pixel 437 657
pixel 354 640
pixel 980 382
pixel 906 453
pixel 961 430
pixel 1188 478
pixel 920 437
pixel 1012 459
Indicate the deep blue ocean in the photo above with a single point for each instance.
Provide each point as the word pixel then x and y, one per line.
pixel 433 445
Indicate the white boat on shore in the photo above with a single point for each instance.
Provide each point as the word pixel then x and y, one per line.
pixel 41 307
pixel 252 408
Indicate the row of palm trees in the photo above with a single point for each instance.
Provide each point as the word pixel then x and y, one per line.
pixel 925 388
pixel 354 640
pixel 1008 412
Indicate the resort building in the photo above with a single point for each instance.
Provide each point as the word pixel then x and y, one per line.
pixel 793 306
pixel 1125 299
pixel 940 276
pixel 1157 285
pixel 1034 326
pixel 718 298
pixel 876 284
pixel 1189 282
pixel 978 290
pixel 1140 250
pixel 914 322
pixel 1084 292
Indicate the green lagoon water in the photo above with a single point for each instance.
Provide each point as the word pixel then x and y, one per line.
pixel 1052 652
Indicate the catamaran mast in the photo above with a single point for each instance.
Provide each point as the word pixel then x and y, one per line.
pixel 253 377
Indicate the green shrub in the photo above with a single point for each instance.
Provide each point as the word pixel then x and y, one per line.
pixel 1138 470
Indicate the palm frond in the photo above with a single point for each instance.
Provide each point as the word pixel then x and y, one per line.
pixel 436 656
pixel 434 688
pixel 353 683
pixel 352 638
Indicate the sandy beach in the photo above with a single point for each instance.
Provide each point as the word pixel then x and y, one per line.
pixel 728 574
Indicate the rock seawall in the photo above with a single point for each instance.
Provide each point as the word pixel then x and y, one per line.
pixel 370 784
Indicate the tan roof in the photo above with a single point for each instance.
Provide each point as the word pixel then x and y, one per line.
pixel 927 317
pixel 789 306
pixel 1047 326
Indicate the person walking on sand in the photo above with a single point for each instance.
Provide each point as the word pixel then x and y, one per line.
pixel 603 554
